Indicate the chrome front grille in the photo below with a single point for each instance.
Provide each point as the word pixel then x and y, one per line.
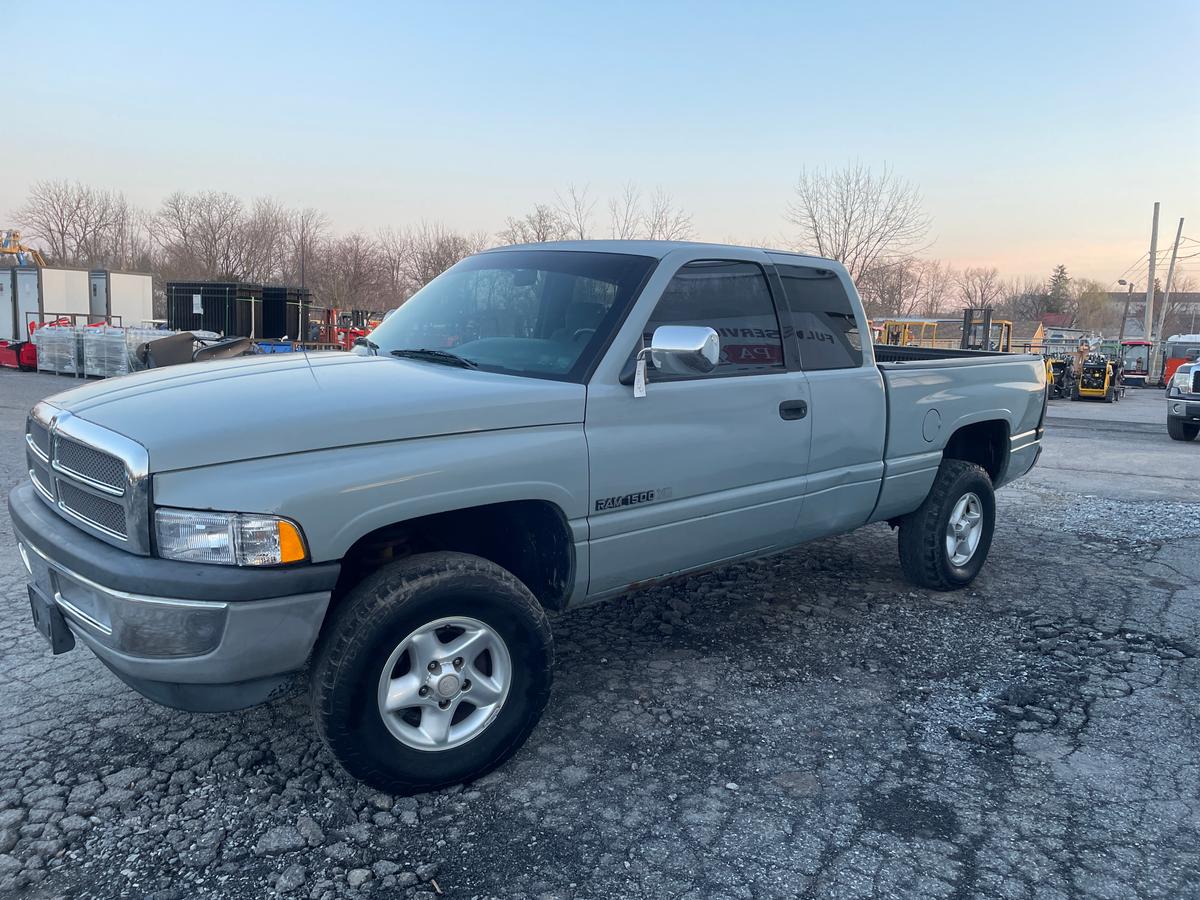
pixel 39 472
pixel 89 463
pixel 39 434
pixel 93 477
pixel 94 510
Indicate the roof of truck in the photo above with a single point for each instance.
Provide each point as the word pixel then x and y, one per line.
pixel 656 249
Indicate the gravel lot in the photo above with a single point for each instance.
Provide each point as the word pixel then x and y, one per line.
pixel 808 726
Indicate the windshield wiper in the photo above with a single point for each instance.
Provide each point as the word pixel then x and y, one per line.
pixel 437 356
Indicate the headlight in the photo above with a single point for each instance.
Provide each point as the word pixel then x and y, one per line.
pixel 227 539
pixel 1182 381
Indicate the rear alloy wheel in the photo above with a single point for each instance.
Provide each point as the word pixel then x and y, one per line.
pixel 1180 430
pixel 944 543
pixel 432 671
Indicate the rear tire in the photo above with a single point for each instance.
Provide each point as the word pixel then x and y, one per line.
pixel 394 627
pixel 1180 430
pixel 925 534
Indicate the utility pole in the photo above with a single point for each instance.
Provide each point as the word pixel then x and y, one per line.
pixel 1125 315
pixel 1162 313
pixel 1156 349
pixel 1150 277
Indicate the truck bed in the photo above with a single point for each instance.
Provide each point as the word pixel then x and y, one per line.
pixel 933 393
pixel 889 353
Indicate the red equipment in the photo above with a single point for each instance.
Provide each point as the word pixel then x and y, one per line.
pixel 1180 349
pixel 1135 361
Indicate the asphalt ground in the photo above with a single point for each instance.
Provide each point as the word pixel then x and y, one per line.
pixel 806 726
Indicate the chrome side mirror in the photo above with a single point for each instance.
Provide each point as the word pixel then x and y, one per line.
pixel 685 349
pixel 678 350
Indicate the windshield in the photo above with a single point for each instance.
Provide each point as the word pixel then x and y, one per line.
pixel 544 313
pixel 1136 357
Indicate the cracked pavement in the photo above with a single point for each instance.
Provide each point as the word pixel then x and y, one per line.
pixel 805 726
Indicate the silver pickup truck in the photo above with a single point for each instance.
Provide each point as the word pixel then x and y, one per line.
pixel 540 427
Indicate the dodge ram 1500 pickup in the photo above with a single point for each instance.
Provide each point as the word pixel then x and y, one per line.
pixel 540 427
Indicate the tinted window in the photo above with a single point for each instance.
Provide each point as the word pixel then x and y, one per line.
pixel 537 312
pixel 732 298
pixel 823 318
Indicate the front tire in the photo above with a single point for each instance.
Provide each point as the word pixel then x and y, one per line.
pixel 432 671
pixel 1180 430
pixel 945 542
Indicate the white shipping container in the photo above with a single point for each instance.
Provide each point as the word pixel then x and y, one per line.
pixel 131 296
pixel 64 291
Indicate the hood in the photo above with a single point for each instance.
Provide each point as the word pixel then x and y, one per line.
pixel 214 412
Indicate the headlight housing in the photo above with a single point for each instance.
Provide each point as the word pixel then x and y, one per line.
pixel 228 539
pixel 1182 381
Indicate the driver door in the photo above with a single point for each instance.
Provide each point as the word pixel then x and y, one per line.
pixel 703 468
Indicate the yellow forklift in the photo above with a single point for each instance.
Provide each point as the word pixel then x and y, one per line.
pixel 981 332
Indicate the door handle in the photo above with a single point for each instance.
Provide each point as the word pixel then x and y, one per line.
pixel 793 409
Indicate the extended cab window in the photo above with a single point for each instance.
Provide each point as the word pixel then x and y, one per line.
pixel 823 318
pixel 733 299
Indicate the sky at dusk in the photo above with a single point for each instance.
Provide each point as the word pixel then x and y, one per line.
pixel 1038 133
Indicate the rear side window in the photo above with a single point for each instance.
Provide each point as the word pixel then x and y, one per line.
pixel 733 299
pixel 823 318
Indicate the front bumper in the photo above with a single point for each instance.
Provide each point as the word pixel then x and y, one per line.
pixel 1186 408
pixel 192 636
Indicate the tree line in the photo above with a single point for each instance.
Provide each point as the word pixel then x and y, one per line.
pixel 216 236
pixel 871 220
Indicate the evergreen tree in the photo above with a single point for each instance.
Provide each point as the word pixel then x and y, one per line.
pixel 1059 293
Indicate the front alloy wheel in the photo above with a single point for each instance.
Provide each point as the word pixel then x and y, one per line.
pixel 431 671
pixel 444 684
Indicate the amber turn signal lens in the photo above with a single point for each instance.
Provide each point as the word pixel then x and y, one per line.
pixel 291 545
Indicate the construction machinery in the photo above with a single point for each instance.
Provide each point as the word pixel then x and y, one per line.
pixel 1180 349
pixel 1135 361
pixel 10 245
pixel 912 332
pixel 1099 379
pixel 982 332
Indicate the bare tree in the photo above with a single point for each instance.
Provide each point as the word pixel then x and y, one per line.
pixel 306 228
pixel 979 286
pixel 49 215
pixel 856 216
pixel 576 210
pixel 625 213
pixel 1024 298
pixel 83 226
pixel 200 234
pixel 351 272
pixel 432 248
pixel 1090 306
pixel 261 251
pixel 907 287
pixel 542 223
pixel 664 221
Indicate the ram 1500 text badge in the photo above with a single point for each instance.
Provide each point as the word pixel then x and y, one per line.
pixel 538 428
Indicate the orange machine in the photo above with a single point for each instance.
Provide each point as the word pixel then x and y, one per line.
pixel 1180 349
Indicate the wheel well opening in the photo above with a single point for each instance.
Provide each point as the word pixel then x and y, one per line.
pixel 529 538
pixel 983 443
